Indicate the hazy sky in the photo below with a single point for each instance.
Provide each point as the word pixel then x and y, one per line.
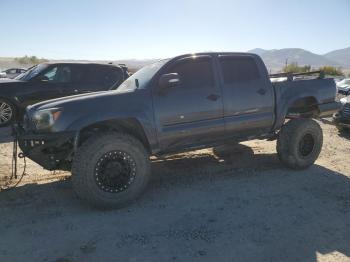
pixel 106 29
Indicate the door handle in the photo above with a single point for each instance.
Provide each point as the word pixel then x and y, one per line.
pixel 262 91
pixel 213 97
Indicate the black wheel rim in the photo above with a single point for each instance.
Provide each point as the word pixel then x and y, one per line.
pixel 5 112
pixel 115 171
pixel 306 145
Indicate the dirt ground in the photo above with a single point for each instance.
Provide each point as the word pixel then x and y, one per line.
pixel 231 203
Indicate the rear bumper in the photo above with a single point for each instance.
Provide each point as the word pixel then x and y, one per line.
pixel 49 150
pixel 329 109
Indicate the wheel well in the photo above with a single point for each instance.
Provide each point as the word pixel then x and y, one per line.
pixel 130 126
pixel 303 107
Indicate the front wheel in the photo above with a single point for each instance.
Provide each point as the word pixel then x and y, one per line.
pixel 299 143
pixel 110 170
pixel 7 113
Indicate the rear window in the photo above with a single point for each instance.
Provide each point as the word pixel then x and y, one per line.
pixel 239 69
pixel 102 77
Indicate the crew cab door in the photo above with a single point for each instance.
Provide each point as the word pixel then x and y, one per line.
pixel 248 95
pixel 191 112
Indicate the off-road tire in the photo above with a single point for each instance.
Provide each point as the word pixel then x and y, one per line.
pixel 291 140
pixel 13 112
pixel 84 166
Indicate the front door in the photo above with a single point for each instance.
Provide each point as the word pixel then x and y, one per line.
pixel 52 83
pixel 190 113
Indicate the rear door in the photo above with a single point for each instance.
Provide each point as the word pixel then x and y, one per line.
pixel 192 112
pixel 248 95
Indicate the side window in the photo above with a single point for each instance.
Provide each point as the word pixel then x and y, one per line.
pixel 59 74
pixel 100 77
pixel 239 69
pixel 50 75
pixel 108 77
pixel 194 73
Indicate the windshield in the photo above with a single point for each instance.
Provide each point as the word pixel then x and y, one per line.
pixel 32 72
pixel 143 76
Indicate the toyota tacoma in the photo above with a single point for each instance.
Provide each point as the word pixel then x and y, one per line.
pixel 188 102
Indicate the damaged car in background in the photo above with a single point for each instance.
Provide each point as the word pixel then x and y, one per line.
pixel 188 102
pixel 342 118
pixel 343 86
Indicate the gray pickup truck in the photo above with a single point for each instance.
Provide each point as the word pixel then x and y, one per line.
pixel 188 102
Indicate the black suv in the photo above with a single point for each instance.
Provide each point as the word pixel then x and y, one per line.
pixel 52 80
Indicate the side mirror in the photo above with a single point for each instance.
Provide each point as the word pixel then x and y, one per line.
pixel 169 80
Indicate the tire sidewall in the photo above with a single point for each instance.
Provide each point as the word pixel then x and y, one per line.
pixel 289 139
pixel 107 199
pixel 318 141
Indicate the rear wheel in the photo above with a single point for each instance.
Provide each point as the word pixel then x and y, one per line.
pixel 299 143
pixel 110 170
pixel 7 113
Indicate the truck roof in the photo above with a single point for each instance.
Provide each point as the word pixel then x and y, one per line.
pixel 217 53
pixel 81 63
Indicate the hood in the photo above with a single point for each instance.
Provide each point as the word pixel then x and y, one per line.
pixel 9 81
pixel 76 100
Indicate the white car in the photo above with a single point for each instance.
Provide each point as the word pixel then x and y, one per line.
pixel 2 74
pixel 344 86
pixel 13 72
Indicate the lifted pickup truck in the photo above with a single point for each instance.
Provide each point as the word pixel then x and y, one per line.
pixel 188 102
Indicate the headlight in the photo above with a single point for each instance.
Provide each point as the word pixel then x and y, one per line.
pixel 44 119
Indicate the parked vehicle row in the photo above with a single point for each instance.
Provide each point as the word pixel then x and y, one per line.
pixel 342 118
pixel 52 80
pixel 2 74
pixel 188 102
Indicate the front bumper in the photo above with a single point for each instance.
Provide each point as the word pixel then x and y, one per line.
pixel 52 151
pixel 329 109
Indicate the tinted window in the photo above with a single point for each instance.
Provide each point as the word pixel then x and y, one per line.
pixel 239 69
pixel 101 77
pixel 194 74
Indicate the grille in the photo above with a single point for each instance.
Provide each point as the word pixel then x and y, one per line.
pixel 346 110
